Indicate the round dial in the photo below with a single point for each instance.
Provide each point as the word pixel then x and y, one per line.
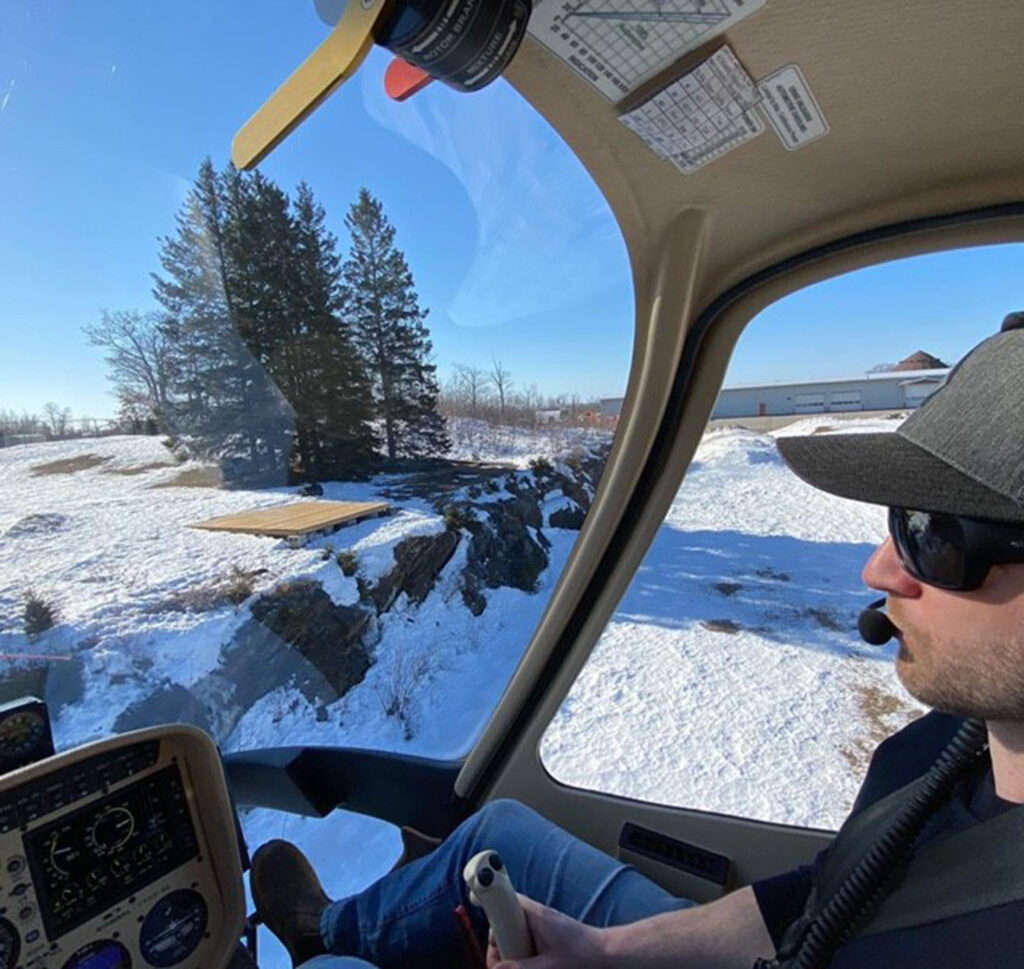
pixel 173 928
pixel 111 830
pixel 22 733
pixel 10 945
pixel 62 851
pixel 106 953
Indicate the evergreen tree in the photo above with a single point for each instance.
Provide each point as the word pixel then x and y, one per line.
pixel 265 373
pixel 223 402
pixel 334 402
pixel 389 331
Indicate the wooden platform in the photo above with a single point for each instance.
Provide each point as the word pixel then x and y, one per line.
pixel 297 521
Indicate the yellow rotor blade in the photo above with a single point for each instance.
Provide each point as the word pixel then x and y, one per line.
pixel 329 66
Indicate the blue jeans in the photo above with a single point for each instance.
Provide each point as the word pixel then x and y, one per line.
pixel 406 920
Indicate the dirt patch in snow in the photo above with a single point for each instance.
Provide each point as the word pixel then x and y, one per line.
pixel 722 626
pixel 826 618
pixel 69 465
pixel 231 590
pixel 204 477
pixel 139 469
pixel 883 714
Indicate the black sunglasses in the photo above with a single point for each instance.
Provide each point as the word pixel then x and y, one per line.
pixel 952 551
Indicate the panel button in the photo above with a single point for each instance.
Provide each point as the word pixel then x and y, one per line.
pixel 8 818
pixel 32 936
pixel 26 913
pixel 15 865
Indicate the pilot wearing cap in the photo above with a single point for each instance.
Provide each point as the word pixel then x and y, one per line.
pixel 928 870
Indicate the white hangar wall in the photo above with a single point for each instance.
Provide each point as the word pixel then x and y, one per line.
pixel 892 390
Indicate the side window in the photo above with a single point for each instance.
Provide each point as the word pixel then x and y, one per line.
pixel 731 678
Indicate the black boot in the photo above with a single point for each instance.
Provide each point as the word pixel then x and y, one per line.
pixel 289 898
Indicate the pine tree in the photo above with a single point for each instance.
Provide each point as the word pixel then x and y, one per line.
pixel 388 329
pixel 265 372
pixel 334 403
pixel 224 405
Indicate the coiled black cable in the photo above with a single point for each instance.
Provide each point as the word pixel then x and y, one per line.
pixel 839 918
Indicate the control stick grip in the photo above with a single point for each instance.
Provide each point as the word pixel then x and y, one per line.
pixel 491 889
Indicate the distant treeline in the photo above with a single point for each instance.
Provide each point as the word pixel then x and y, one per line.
pixel 491 395
pixel 270 353
pixel 57 423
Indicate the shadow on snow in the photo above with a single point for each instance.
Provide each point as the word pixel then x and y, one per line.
pixel 785 589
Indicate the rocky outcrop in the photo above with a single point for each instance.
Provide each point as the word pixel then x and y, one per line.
pixel 508 548
pixel 304 617
pixel 569 516
pixel 298 636
pixel 170 703
pixel 60 682
pixel 418 563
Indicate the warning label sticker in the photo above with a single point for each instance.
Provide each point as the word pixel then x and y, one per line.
pixel 619 44
pixel 791 109
pixel 703 115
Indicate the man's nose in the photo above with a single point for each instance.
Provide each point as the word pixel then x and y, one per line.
pixel 884 571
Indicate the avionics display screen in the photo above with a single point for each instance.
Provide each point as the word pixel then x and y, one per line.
pixel 92 858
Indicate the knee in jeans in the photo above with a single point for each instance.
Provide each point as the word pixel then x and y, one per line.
pixel 505 811
pixel 501 819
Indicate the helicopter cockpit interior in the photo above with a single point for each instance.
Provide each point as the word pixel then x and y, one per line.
pixel 740 151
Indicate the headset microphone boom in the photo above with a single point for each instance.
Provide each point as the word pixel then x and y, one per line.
pixel 874 626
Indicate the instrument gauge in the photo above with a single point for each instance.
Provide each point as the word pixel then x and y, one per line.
pixel 62 852
pixel 173 928
pixel 10 945
pixel 111 830
pixel 24 734
pixel 102 954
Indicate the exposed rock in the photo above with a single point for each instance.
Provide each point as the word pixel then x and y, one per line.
pixel 254 663
pixel 569 516
pixel 59 682
pixel 171 703
pixel 65 684
pixel 526 508
pixel 418 563
pixel 472 597
pixel 20 681
pixel 311 489
pixel 503 552
pixel 329 636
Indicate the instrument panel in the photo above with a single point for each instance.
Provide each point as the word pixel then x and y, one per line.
pixel 106 861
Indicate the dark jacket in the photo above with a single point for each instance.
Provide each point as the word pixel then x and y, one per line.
pixel 991 936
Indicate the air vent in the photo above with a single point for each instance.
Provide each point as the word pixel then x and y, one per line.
pixel 675 853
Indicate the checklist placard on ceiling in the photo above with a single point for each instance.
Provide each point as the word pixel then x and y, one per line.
pixel 701 116
pixel 619 44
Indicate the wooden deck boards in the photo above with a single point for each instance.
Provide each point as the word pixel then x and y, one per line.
pixel 296 519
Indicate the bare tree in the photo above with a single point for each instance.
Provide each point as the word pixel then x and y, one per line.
pixel 501 380
pixel 139 355
pixel 57 419
pixel 472 385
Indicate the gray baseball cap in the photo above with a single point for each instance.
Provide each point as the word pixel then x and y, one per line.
pixel 961 451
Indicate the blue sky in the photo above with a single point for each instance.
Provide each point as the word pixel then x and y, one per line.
pixel 107 110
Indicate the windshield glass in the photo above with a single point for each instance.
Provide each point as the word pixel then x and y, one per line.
pixel 296 455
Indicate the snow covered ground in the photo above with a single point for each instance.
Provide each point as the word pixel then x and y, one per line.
pixel 729 680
